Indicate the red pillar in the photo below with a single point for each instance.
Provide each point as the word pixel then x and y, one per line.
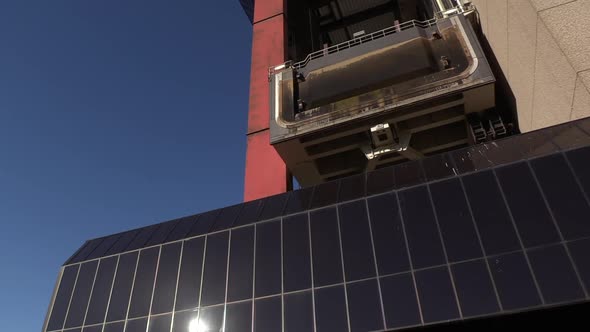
pixel 266 173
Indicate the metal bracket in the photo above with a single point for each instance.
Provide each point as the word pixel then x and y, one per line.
pixel 384 140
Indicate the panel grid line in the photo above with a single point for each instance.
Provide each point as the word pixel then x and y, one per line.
pixel 330 286
pixel 311 271
pixel 226 279
pixel 343 269
pixel 395 191
pixel 53 298
pixel 153 287
pixel 71 297
pixel 412 271
pixel 254 279
pixel 526 256
pixel 444 249
pixel 202 276
pixel 91 292
pixel 575 175
pixel 131 292
pixel 483 250
pixel 177 281
pixel 111 291
pixel 344 284
pixel 557 227
pixel 514 311
pixel 366 207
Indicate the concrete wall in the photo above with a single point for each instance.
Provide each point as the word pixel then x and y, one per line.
pixel 543 49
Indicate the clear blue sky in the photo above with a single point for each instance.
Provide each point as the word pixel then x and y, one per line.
pixel 113 115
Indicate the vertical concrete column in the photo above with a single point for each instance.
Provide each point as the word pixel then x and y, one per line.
pixel 266 173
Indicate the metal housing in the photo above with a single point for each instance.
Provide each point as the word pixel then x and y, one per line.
pixel 422 79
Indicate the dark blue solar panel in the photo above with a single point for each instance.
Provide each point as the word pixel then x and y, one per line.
pixel 123 242
pixel 400 302
pixel 380 181
pixel 490 213
pixel 267 314
pixel 436 294
pixel 86 250
pixel 460 235
pixel 299 200
pixel 330 309
pixel 249 213
pixel 564 196
pixel 514 281
pixel 163 231
pixel 104 246
pixel 530 213
pixel 273 207
pixel 475 289
pixel 241 264
pixel 364 306
pixel 555 274
pixel 421 229
pixel 226 218
pixel 183 226
pixel 580 161
pixel 455 221
pixel 204 223
pixel 409 174
pixel 357 248
pixel 352 188
pixel 388 234
pixel 325 194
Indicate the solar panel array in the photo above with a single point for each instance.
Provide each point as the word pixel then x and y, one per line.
pixel 493 229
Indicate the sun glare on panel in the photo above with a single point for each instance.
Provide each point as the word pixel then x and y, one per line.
pixel 197 326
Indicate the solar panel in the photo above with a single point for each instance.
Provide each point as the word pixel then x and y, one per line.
pixel 489 230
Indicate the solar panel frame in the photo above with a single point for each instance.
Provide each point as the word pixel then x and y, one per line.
pixel 397 238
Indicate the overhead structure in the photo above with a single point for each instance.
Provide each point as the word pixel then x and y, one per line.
pixel 390 96
pixel 374 83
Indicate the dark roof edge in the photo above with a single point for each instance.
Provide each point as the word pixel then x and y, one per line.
pixel 248 6
pixel 528 146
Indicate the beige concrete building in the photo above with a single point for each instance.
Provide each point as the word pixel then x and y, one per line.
pixel 543 49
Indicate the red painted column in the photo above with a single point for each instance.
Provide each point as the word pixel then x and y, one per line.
pixel 266 173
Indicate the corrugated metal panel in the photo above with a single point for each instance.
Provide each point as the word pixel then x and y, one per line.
pixel 350 7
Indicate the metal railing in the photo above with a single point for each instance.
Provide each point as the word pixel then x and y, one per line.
pixel 361 40
pixel 464 8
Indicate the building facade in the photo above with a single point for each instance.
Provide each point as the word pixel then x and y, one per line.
pixel 444 156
